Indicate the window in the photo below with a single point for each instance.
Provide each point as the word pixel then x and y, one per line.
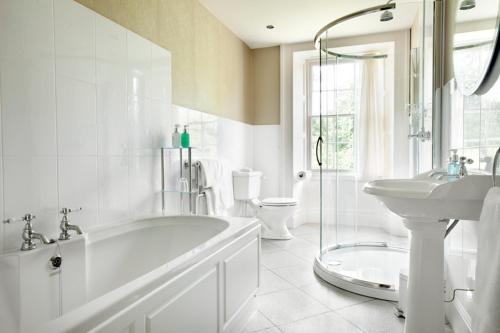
pixel 340 103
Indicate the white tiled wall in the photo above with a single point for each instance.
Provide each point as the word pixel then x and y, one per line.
pixel 266 158
pixel 85 104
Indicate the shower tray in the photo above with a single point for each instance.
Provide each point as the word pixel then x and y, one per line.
pixel 365 268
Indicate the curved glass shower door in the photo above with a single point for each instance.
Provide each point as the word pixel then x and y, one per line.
pixel 363 246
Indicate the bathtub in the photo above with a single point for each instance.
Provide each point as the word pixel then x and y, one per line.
pixel 168 274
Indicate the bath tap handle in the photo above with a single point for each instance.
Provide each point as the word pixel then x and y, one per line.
pixel 28 217
pixel 66 211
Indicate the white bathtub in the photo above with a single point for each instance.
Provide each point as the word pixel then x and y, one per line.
pixel 169 274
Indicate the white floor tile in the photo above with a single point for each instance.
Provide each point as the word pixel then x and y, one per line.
pixel 270 282
pixel 270 330
pixel 284 307
pixel 291 243
pixel 268 246
pixel 307 253
pixel 373 317
pixel 257 322
pixel 325 323
pixel 277 259
pixel 308 228
pixel 297 275
pixel 313 239
pixel 333 297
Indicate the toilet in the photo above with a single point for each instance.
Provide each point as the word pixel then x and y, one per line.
pixel 273 212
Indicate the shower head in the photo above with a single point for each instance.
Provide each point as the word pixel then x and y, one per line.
pixel 386 16
pixel 467 4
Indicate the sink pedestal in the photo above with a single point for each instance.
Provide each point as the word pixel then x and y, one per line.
pixel 425 308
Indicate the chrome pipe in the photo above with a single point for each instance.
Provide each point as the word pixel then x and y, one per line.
pixel 348 17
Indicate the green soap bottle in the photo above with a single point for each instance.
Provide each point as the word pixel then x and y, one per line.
pixel 185 137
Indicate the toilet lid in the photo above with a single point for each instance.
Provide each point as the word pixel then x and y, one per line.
pixel 279 202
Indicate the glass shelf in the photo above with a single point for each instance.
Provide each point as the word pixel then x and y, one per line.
pixel 176 148
pixel 176 191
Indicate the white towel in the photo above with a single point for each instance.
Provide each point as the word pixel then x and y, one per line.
pixel 217 179
pixel 486 317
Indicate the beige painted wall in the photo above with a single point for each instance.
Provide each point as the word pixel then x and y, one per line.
pixel 266 69
pixel 212 68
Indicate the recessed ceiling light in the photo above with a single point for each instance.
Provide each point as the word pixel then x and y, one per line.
pixel 270 27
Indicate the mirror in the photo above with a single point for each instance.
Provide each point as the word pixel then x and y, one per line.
pixel 475 45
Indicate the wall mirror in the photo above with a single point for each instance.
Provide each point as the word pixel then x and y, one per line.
pixel 476 45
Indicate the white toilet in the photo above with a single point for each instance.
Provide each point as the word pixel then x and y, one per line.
pixel 273 212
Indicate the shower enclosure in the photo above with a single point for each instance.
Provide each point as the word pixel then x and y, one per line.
pixel 357 137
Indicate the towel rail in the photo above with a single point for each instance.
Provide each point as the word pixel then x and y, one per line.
pixel 494 173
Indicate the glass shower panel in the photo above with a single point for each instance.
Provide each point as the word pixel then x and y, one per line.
pixel 363 246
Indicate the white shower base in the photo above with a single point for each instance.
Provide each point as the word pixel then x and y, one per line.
pixel 370 269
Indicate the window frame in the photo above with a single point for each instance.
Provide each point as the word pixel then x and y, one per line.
pixel 309 116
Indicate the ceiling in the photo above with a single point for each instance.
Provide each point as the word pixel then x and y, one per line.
pixel 299 20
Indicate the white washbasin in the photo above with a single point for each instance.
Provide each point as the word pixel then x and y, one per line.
pixel 426 204
pixel 428 198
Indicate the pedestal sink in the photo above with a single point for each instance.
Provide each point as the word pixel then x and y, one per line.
pixel 426 204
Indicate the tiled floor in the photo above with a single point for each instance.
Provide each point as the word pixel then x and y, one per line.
pixel 293 299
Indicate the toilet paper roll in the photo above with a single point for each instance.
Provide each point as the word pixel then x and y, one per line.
pixel 303 175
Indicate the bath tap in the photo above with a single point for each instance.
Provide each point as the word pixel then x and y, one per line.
pixel 66 226
pixel 28 234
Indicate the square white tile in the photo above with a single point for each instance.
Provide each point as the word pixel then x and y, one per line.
pixel 113 189
pixel 298 275
pixel 28 109
pixel 140 128
pixel 78 187
pixel 76 117
pixel 161 84
pixel 333 297
pixel 139 65
pixel 75 41
pixel 277 259
pixel 291 243
pixel 308 253
pixel 257 322
pixel 31 184
pixel 324 323
pixel 271 282
pixel 268 246
pixel 287 306
pixel 374 316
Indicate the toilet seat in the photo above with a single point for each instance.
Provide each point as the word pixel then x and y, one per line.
pixel 279 202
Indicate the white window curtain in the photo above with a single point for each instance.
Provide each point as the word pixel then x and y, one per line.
pixel 375 130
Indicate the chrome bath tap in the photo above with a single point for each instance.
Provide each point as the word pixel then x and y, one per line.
pixel 29 235
pixel 66 226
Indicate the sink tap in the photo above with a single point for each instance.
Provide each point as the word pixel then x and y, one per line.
pixel 29 235
pixel 66 226
pixel 462 172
